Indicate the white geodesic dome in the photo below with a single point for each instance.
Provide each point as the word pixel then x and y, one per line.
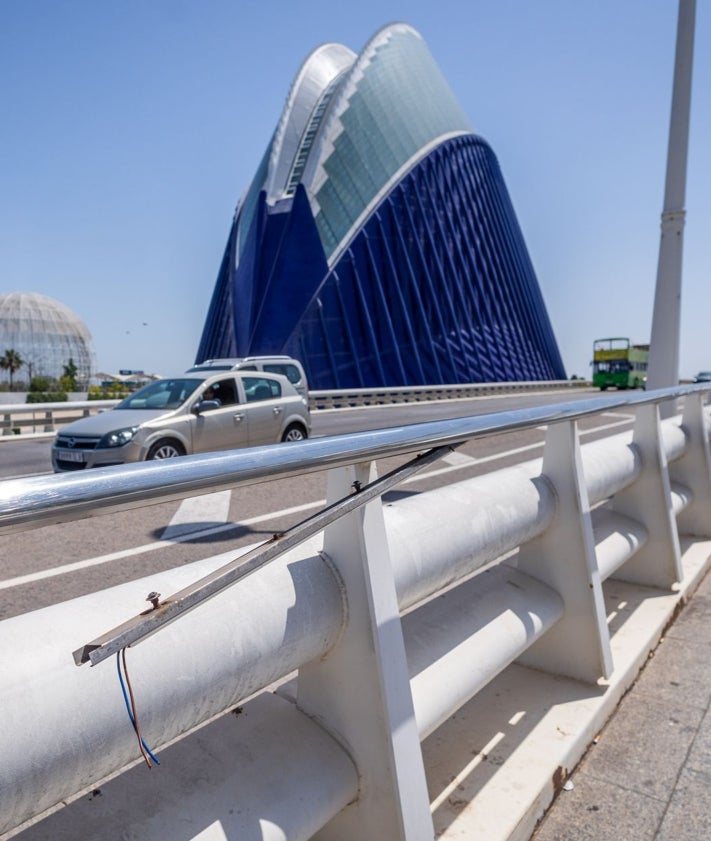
pixel 46 334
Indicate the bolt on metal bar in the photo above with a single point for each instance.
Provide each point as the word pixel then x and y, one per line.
pixel 163 612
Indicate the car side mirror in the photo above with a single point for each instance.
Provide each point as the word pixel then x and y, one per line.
pixel 205 406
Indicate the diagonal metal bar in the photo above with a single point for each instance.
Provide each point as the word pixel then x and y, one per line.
pixel 144 624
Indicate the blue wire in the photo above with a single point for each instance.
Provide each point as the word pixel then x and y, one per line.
pixel 128 708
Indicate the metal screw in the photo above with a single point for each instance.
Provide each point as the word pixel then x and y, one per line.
pixel 153 598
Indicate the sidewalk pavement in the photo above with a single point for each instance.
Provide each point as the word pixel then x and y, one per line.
pixel 648 776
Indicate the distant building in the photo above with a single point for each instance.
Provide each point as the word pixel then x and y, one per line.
pixel 46 334
pixel 128 378
pixel 377 241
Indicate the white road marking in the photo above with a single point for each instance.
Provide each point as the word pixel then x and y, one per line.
pixel 602 415
pixel 457 461
pixel 607 426
pixel 151 547
pixel 196 510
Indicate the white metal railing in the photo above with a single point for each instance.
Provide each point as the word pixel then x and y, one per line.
pixel 39 419
pixel 346 398
pixel 391 618
pixel 17 419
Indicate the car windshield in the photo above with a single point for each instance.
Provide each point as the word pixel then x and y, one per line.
pixel 162 394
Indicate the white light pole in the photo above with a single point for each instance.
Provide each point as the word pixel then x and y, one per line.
pixel 664 345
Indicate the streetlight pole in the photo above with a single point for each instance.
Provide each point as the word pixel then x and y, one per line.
pixel 664 346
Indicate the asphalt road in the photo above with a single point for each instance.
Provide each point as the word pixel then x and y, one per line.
pixel 53 563
pixel 32 457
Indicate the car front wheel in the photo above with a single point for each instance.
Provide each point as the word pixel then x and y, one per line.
pixel 165 449
pixel 294 433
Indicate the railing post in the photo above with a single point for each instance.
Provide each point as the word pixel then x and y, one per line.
pixel 693 469
pixel 564 558
pixel 7 424
pixel 360 691
pixel 48 421
pixel 648 500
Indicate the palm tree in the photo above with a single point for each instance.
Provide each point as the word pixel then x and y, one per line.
pixel 12 362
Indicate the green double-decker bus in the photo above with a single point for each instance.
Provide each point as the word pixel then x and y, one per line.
pixel 619 363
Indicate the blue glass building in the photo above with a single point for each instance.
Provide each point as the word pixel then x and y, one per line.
pixel 377 241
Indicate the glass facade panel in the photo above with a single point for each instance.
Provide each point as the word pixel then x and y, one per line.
pixel 401 104
pixel 46 335
pixel 248 207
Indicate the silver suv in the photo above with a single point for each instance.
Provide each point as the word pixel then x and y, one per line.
pixel 191 413
pixel 287 366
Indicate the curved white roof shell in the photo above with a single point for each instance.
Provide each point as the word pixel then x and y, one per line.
pixel 308 97
pixel 351 127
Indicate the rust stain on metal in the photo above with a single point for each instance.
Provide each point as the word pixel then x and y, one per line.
pixel 154 599
pixel 159 608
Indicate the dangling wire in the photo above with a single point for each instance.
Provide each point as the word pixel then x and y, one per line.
pixel 146 752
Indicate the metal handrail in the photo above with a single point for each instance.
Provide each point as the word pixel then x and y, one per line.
pixel 178 604
pixel 14 417
pixel 48 416
pixel 387 395
pixel 351 584
pixel 27 503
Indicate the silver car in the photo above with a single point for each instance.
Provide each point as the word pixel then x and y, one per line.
pixel 287 366
pixel 187 414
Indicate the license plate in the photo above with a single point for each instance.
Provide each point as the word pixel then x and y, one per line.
pixel 71 455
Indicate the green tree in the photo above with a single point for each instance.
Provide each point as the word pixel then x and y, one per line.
pixel 11 361
pixel 65 384
pixel 69 377
pixel 40 384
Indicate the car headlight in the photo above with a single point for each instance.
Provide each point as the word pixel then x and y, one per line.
pixel 119 437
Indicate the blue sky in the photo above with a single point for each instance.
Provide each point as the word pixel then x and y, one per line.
pixel 131 129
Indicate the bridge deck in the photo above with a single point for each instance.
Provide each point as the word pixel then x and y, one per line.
pixel 648 778
pixel 495 766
